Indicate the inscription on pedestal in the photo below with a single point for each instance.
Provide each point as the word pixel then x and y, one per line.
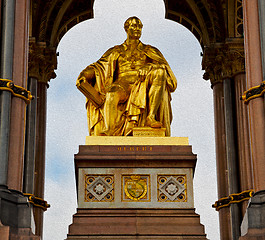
pixel 135 148
pixel 148 132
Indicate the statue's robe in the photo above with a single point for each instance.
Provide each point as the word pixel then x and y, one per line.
pixel 135 108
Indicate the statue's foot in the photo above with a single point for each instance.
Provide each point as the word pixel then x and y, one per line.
pixel 151 122
pixel 133 123
pixel 103 134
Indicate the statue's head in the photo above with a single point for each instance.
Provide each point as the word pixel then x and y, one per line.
pixel 133 27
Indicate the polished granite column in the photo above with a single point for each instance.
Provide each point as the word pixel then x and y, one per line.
pixel 40 153
pixel 18 109
pixel 15 210
pixel 221 163
pixel 30 139
pixel 6 72
pixel 253 225
pixel 244 154
pixel 231 156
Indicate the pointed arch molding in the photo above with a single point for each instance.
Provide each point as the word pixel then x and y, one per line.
pixel 204 18
pixel 53 18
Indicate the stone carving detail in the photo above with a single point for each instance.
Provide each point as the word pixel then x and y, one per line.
pixel 223 61
pixel 136 188
pixel 42 61
pixel 172 188
pixel 239 18
pixel 99 188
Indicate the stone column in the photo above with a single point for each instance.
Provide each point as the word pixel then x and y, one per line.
pixel 42 62
pixel 4 137
pixel 15 211
pixel 212 64
pixel 245 165
pixel 221 163
pixel 6 72
pixel 254 78
pixel 261 6
pixel 17 130
pixel 221 63
pixel 40 153
pixel 233 186
pixel 253 226
pixel 232 65
pixel 35 58
pixel 30 139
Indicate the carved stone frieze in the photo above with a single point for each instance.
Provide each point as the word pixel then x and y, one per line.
pixel 42 61
pixel 223 61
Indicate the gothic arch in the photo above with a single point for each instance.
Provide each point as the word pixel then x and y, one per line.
pixel 30 32
pixel 204 18
pixel 52 19
pixel 216 24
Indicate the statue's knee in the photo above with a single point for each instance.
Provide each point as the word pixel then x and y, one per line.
pixel 159 72
pixel 116 97
pixel 111 96
pixel 158 76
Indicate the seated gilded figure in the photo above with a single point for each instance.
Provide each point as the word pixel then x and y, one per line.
pixel 129 86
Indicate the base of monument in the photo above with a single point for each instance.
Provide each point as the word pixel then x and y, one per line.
pixel 136 224
pixel 135 188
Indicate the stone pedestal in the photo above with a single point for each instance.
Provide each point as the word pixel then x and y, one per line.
pixel 253 225
pixel 16 217
pixel 135 188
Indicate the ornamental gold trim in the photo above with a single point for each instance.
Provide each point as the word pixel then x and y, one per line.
pixel 233 198
pixel 37 201
pixel 253 92
pixel 17 91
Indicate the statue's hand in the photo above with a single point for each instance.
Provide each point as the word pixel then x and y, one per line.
pixel 143 71
pixel 87 75
pixel 80 80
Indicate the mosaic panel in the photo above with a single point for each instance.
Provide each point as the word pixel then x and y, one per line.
pixel 171 188
pixel 99 188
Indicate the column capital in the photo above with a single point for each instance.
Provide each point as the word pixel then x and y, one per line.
pixel 223 60
pixel 42 61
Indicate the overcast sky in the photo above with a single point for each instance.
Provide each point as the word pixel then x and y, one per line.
pixel 192 104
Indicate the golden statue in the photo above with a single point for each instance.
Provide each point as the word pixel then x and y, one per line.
pixel 129 86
